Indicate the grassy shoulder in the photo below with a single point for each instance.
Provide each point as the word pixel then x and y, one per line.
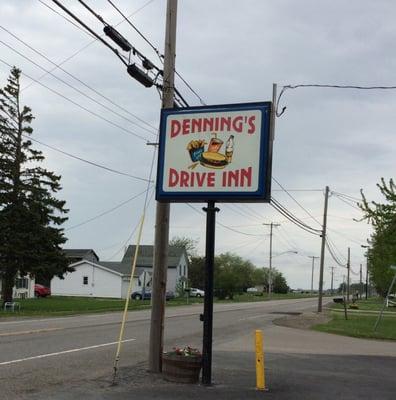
pixel 371 304
pixel 62 305
pixel 360 325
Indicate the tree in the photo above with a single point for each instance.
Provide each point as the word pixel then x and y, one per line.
pixel 189 244
pixel 196 272
pixel 232 274
pixel 382 252
pixel 30 214
pixel 279 284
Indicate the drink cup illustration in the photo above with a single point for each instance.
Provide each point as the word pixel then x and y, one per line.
pixel 215 145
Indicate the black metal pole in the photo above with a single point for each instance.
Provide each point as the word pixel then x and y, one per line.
pixel 208 299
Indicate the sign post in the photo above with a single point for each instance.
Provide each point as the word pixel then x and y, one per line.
pixel 215 154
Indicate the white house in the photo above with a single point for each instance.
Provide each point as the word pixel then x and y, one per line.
pixel 23 288
pixel 94 278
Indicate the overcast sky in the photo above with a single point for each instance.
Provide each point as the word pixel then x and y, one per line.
pixel 229 52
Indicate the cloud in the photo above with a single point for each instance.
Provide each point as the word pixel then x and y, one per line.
pixel 229 52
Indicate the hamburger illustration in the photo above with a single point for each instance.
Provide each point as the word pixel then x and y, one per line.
pixel 212 159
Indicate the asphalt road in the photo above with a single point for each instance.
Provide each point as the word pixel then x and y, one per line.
pixel 72 357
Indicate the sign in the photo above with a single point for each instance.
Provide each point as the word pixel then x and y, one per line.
pixel 221 153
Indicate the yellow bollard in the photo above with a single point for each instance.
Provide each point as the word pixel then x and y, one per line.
pixel 260 371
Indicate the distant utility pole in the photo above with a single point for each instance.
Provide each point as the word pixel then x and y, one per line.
pixel 349 273
pixel 361 282
pixel 322 250
pixel 161 240
pixel 367 264
pixel 332 279
pixel 367 280
pixel 271 225
pixel 312 273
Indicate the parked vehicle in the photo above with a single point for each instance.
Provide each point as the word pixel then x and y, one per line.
pixel 41 291
pixel 194 292
pixel 138 295
pixel 252 290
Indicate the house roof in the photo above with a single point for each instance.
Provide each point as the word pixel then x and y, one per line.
pixel 122 268
pixel 146 255
pixel 84 254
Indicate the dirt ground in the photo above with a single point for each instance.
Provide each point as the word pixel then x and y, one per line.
pixel 304 320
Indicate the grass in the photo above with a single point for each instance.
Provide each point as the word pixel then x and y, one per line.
pixel 62 305
pixel 59 305
pixel 371 304
pixel 248 297
pixel 360 326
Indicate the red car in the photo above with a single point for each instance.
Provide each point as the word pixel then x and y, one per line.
pixel 41 291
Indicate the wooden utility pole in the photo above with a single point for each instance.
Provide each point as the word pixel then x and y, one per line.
pixel 322 250
pixel 361 282
pixel 367 279
pixel 312 272
pixel 349 273
pixel 332 279
pixel 161 240
pixel 271 225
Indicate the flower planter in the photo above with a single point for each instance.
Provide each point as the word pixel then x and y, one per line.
pixel 180 368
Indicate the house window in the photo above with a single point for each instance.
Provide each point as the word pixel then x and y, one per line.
pixel 22 283
pixel 184 270
pixel 85 280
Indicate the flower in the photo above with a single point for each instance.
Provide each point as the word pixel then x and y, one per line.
pixel 186 351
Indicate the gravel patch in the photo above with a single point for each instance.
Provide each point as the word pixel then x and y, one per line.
pixel 304 320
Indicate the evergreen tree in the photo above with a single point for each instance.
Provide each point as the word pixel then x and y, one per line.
pixel 30 215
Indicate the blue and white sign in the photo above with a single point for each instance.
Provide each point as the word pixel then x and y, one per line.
pixel 221 153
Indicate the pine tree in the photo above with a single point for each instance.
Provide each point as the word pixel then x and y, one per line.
pixel 30 215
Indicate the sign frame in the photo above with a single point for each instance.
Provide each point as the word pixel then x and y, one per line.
pixel 263 192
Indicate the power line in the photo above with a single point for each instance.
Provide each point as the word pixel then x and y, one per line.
pixel 134 50
pixel 303 208
pixel 333 255
pixel 58 66
pixel 130 236
pixel 68 84
pixel 327 86
pixel 114 50
pixel 80 106
pixel 346 202
pixel 89 44
pixel 92 11
pixel 347 196
pixel 67 19
pixel 291 217
pixel 335 247
pixel 222 225
pixel 146 200
pixel 105 212
pixel 86 161
pixel 156 50
pixel 346 236
pixel 136 29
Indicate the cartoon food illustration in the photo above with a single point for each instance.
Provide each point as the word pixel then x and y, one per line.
pixel 229 148
pixel 211 158
pixel 196 148
pixel 215 145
